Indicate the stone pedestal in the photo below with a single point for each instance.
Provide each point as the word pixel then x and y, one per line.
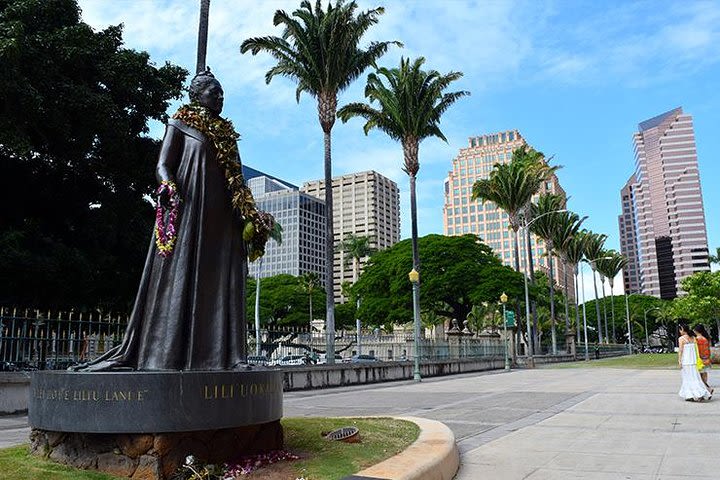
pixel 153 456
pixel 143 424
pixel 570 345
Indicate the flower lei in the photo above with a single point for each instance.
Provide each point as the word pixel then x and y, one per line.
pixel 258 226
pixel 166 233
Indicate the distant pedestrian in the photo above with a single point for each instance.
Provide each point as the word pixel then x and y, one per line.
pixel 692 388
pixel 703 345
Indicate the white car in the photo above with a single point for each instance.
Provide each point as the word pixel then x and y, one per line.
pixel 322 359
pixel 289 360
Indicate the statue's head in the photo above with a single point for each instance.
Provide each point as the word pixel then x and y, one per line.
pixel 207 91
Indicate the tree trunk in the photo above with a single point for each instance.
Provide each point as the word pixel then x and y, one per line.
pixel 607 331
pixel 577 307
pixel 413 224
pixel 533 305
pixel 597 307
pixel 202 36
pixel 311 315
pixel 612 311
pixel 329 257
pixel 552 303
pixel 516 247
pixel 567 300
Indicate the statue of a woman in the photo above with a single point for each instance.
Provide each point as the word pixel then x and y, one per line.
pixel 189 313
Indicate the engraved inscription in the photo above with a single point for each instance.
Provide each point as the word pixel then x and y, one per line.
pixel 87 395
pixel 239 390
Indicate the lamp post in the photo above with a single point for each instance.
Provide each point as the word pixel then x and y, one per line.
pixel 647 338
pixel 503 300
pixel 525 227
pixel 627 315
pixel 414 278
pixel 258 344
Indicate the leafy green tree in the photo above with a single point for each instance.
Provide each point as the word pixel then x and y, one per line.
pixel 74 157
pixel 459 272
pixel 284 301
pixel 411 102
pixel 320 50
pixel 702 302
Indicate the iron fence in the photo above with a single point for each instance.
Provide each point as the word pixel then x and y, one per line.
pixel 32 339
pixel 35 339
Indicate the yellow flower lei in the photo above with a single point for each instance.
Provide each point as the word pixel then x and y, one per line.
pixel 223 137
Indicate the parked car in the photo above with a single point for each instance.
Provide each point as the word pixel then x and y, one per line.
pixel 290 360
pixel 322 359
pixel 364 359
pixel 258 360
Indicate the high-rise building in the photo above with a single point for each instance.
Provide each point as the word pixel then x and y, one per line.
pixel 628 239
pixel 364 204
pixel 302 218
pixel 462 215
pixel 662 203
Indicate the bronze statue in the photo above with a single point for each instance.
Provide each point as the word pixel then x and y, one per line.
pixel 189 313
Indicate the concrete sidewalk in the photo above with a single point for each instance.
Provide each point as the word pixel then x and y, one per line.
pixel 539 424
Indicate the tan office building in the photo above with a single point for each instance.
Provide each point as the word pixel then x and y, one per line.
pixel 364 204
pixel 663 230
pixel 462 215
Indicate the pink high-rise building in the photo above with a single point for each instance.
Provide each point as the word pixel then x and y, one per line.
pixel 662 228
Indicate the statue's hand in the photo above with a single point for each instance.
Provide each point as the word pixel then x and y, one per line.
pixel 163 198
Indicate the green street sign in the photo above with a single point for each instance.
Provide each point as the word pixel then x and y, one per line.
pixel 510 319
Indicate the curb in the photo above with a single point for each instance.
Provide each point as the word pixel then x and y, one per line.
pixel 433 456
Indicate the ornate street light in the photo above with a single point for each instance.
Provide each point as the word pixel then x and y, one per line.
pixel 503 300
pixel 414 278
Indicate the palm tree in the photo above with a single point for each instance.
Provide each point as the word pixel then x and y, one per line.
pixel 355 248
pixel 547 215
pixel 411 102
pixel 715 258
pixel 568 225
pixel 610 268
pixel 320 51
pixel 309 281
pixel 511 187
pixel 594 251
pixel 572 250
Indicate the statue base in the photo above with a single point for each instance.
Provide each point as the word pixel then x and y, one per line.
pixel 153 456
pixel 143 425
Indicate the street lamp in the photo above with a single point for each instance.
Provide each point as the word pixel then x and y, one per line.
pixel 503 300
pixel 525 227
pixel 647 339
pixel 414 278
pixel 627 315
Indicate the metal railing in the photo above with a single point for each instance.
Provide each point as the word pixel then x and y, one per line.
pixel 32 339
pixel 35 339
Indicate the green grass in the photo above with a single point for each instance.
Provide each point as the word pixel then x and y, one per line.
pixel 16 463
pixel 642 361
pixel 381 438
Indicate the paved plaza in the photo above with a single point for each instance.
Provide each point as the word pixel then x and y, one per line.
pixel 542 424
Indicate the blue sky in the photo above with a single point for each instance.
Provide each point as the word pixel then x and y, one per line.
pixel 574 77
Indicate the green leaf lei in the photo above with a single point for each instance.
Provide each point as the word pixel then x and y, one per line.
pixel 258 226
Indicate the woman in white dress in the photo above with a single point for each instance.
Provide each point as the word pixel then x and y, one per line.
pixel 692 388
